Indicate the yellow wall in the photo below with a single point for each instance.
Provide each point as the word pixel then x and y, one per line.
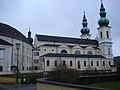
pixel 44 86
pixel 9 80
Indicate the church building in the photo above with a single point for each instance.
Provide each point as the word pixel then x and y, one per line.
pixel 15 49
pixel 81 53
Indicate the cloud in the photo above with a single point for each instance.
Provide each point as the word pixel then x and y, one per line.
pixel 59 17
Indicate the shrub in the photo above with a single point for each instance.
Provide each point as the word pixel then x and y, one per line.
pixel 64 74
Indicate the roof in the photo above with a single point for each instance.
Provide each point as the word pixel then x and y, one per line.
pixel 3 42
pixel 66 39
pixel 6 30
pixel 56 45
pixel 52 45
pixel 72 55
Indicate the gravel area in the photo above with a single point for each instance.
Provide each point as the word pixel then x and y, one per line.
pixel 18 87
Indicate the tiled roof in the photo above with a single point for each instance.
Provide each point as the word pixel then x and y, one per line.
pixel 3 42
pixel 56 45
pixel 72 55
pixel 9 31
pixel 66 39
pixel 52 45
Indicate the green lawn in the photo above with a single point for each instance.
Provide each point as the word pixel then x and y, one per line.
pixel 114 85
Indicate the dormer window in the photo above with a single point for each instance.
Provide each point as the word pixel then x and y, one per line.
pixel 89 53
pixel 77 52
pixel 64 52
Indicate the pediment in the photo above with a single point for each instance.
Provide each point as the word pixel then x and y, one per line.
pixel 64 46
pixel 77 46
pixel 89 47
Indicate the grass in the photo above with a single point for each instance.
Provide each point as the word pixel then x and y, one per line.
pixel 114 85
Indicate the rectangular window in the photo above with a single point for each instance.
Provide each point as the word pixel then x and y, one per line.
pixel 2 52
pixel 71 63
pixel 36 61
pixel 27 68
pixel 64 64
pixel 36 68
pixel 109 62
pixel 22 68
pixel 36 53
pixel 91 63
pixel 55 63
pixel 48 63
pixel 79 64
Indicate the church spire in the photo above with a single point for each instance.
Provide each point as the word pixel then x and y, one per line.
pixel 103 21
pixel 85 30
pixel 84 23
pixel 29 33
pixel 29 36
pixel 102 10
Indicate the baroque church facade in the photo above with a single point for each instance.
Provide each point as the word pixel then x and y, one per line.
pixel 81 53
pixel 49 52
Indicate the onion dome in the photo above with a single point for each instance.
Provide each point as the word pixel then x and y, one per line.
pixel 103 21
pixel 85 29
pixel 29 37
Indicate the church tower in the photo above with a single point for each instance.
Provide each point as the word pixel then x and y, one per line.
pixel 104 34
pixel 29 37
pixel 85 30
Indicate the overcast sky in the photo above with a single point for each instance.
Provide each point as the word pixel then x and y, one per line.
pixel 60 17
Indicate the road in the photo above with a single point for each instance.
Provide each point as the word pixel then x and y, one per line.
pixel 18 87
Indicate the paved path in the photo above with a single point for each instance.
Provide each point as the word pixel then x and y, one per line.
pixel 18 87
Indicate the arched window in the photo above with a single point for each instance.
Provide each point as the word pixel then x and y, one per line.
pixel 71 63
pixel 108 51
pixel 107 34
pixel 109 62
pixel 101 35
pixel 64 64
pixel 89 53
pixel 48 63
pixel 91 63
pixel 77 52
pixel 55 63
pixel 103 63
pixel 84 63
pixel 78 64
pixel 1 68
pixel 97 63
pixel 13 68
pixel 64 51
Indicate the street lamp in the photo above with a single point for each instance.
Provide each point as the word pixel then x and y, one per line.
pixel 17 47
